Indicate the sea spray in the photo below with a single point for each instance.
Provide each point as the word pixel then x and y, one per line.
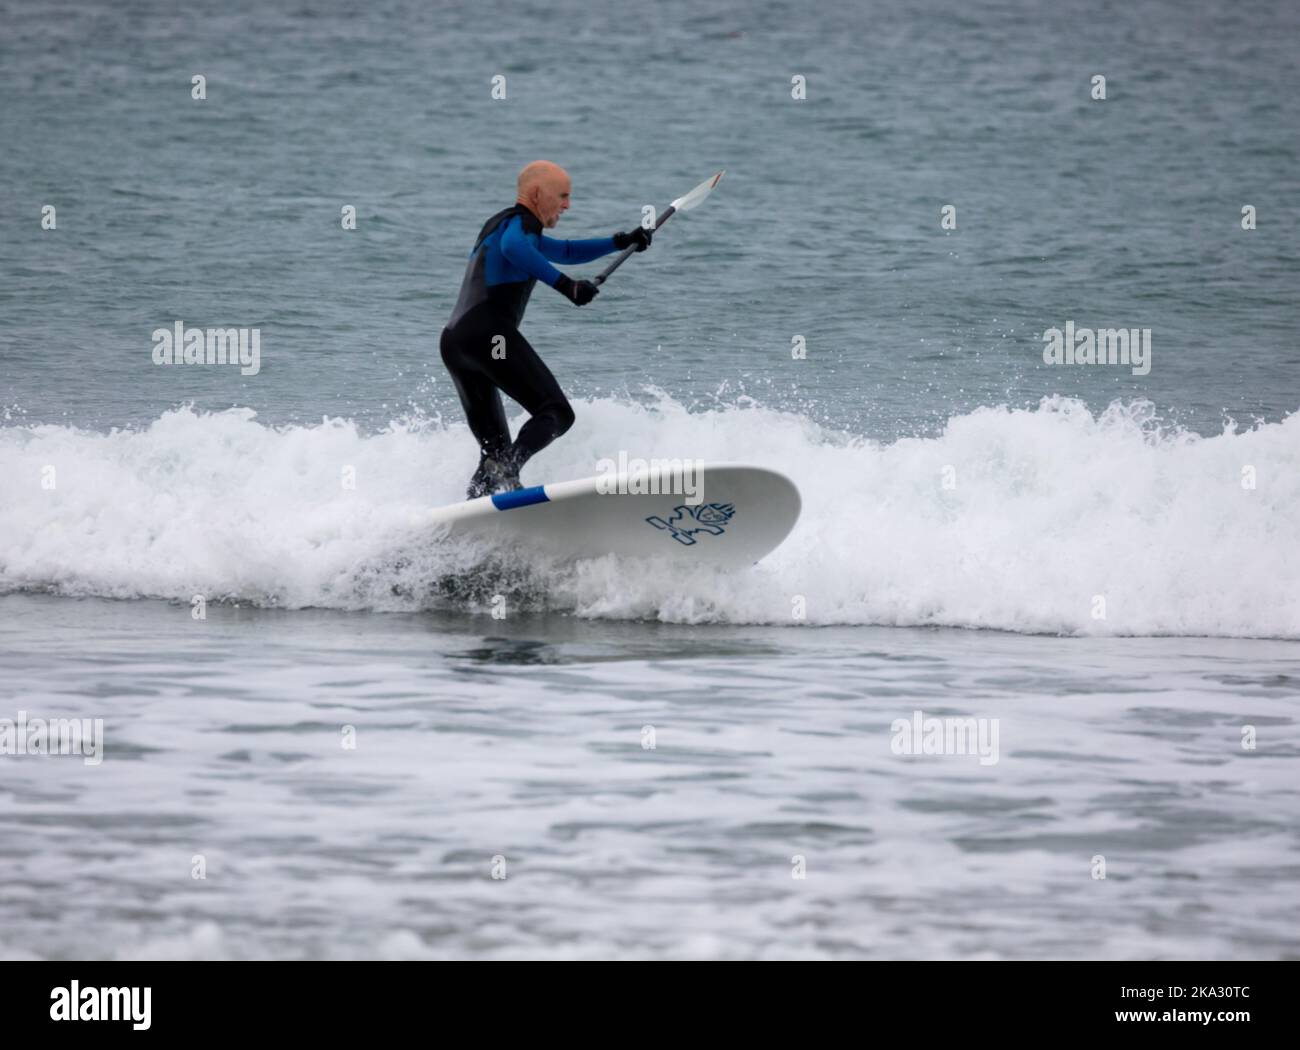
pixel 1053 519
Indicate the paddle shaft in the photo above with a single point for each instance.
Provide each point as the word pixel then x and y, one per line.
pixel 622 257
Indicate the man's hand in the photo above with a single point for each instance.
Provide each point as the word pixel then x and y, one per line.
pixel 580 293
pixel 638 238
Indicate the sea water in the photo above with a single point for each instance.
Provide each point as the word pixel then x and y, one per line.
pixel 326 734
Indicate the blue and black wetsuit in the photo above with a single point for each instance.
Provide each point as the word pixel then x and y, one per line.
pixel 509 257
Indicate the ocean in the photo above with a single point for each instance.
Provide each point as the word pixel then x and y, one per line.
pixel 327 733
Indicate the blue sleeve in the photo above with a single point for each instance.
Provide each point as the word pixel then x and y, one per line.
pixel 520 249
pixel 574 252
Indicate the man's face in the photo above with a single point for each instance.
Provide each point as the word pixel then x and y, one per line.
pixel 552 200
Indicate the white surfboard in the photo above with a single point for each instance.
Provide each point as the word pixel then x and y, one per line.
pixel 732 516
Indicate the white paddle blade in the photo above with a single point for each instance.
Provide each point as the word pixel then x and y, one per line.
pixel 697 195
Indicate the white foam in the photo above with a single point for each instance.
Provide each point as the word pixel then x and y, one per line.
pixel 1051 509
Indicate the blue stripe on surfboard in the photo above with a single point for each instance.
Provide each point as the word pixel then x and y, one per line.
pixel 520 498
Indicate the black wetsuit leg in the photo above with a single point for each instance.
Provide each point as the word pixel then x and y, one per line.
pixel 521 375
pixel 478 397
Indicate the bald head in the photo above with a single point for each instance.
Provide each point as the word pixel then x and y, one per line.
pixel 543 188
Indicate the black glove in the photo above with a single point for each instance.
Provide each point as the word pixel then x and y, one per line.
pixel 640 238
pixel 580 293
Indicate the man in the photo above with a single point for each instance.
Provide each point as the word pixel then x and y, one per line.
pixel 509 257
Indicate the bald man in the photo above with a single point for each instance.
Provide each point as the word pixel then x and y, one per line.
pixel 482 346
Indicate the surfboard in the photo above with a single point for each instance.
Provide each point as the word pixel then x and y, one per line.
pixel 724 515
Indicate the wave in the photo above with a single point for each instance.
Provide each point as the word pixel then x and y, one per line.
pixel 1044 520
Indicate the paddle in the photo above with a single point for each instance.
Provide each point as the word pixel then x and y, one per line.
pixel 686 203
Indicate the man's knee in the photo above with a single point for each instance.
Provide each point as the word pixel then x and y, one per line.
pixel 557 415
pixel 563 415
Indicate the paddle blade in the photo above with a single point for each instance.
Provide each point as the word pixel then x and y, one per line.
pixel 697 195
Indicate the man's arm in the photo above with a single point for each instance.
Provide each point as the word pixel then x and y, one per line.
pixel 574 252
pixel 519 248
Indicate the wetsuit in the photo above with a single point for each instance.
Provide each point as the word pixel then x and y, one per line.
pixel 509 257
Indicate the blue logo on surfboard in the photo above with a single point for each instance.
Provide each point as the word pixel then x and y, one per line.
pixel 687 521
